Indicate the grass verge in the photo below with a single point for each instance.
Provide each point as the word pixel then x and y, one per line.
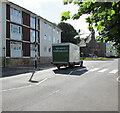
pixel 90 58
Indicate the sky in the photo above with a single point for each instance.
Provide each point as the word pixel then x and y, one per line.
pixel 52 9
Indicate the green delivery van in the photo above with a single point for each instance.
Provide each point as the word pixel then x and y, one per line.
pixel 66 54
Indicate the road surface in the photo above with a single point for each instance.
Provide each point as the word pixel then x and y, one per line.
pixel 93 87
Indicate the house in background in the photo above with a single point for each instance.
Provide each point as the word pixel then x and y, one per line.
pixel 110 49
pixel 92 48
pixel 23 34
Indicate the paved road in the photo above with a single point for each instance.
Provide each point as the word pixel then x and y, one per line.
pixel 91 88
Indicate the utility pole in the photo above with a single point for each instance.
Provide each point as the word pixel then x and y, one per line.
pixel 35 46
pixel 35 60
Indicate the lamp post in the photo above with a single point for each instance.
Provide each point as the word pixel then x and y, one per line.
pixel 35 60
pixel 35 63
pixel 35 45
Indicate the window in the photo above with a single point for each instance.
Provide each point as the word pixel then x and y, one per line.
pixel 54 29
pixel 32 47
pixel 15 32
pixel 50 38
pixel 15 29
pixel 32 35
pixel 32 22
pixel 53 39
pixel 15 12
pixel 32 50
pixel 45 37
pixel 15 15
pixel 11 11
pixel 45 25
pixel 45 49
pixel 16 46
pixel 50 27
pixel 16 49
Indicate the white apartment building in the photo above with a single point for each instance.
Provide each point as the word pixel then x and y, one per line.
pixel 22 32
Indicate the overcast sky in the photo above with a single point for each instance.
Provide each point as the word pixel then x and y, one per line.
pixel 51 10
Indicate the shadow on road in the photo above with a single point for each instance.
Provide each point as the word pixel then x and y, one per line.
pixel 34 81
pixel 77 71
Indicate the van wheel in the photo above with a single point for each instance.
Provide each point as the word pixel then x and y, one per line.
pixel 81 64
pixel 58 67
pixel 71 66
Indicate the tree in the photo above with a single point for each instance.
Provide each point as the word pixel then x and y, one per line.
pixel 104 16
pixel 68 33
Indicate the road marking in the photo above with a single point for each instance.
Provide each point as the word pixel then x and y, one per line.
pixel 70 72
pixel 54 92
pixel 16 88
pixel 42 81
pixel 24 86
pixel 103 70
pixel 94 69
pixel 114 71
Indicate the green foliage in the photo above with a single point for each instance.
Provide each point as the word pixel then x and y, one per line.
pixel 68 33
pixel 98 58
pixel 104 16
pixel 65 16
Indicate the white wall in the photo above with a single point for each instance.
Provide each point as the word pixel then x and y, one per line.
pixel 48 35
pixel 56 36
pixel 2 28
pixel 45 39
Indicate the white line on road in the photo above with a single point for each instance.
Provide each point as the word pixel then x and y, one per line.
pixel 24 86
pixel 114 71
pixel 103 70
pixel 42 81
pixel 70 73
pixel 94 69
pixel 16 88
pixel 54 92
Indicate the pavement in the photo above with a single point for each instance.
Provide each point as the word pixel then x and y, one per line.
pixel 11 71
